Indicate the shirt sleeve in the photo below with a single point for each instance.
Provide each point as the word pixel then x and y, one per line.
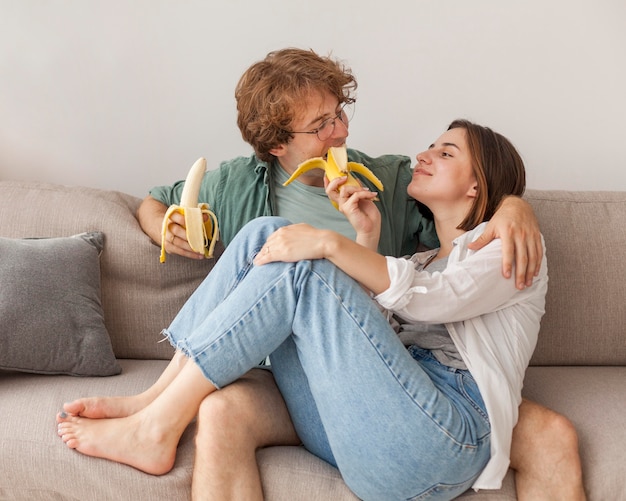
pixel 170 195
pixel 465 289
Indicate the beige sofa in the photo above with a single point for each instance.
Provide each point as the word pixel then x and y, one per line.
pixel 579 367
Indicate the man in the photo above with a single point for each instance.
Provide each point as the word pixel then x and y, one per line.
pixel 293 106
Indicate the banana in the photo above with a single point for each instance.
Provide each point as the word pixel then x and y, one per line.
pixel 201 235
pixel 337 165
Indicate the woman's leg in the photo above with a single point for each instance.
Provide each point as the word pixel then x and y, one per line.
pixel 379 410
pixel 225 276
pixel 103 437
pixel 146 440
pixel 384 419
pixel 387 424
pixel 113 407
pixel 396 427
pixel 294 386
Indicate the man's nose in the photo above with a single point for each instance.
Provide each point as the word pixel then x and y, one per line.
pixel 341 129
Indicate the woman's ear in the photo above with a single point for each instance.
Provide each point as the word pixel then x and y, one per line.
pixel 473 191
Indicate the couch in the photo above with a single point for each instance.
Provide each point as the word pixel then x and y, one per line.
pixel 578 369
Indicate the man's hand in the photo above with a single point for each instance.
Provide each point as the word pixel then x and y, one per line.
pixel 150 215
pixel 176 237
pixel 516 225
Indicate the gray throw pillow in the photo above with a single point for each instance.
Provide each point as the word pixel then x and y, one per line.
pixel 51 318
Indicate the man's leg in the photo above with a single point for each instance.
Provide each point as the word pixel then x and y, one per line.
pixel 544 454
pixel 232 424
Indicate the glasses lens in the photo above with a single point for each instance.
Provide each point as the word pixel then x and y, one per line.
pixel 347 112
pixel 326 130
pixel 328 127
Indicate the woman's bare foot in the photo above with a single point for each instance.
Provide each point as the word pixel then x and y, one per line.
pixel 132 440
pixel 117 407
pixel 106 407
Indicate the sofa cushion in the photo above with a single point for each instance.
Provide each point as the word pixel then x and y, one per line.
pixel 593 399
pixel 585 313
pixel 35 462
pixel 52 318
pixel 140 296
pixel 36 465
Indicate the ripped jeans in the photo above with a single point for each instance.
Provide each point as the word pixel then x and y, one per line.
pixel 394 421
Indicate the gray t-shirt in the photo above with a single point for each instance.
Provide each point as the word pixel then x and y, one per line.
pixel 433 337
pixel 301 203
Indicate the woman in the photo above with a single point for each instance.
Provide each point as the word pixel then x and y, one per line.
pixel 432 419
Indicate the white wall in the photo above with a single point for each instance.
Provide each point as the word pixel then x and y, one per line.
pixel 127 94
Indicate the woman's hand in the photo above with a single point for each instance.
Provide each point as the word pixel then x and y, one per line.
pixel 297 242
pixel 294 243
pixel 357 204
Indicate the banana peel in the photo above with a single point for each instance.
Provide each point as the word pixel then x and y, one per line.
pixel 335 166
pixel 202 235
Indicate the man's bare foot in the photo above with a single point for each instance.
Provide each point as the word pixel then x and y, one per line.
pixel 105 407
pixel 130 440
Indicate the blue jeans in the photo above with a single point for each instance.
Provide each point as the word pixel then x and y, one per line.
pixel 394 421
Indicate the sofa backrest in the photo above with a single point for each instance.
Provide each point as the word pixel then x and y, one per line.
pixel 585 234
pixel 140 296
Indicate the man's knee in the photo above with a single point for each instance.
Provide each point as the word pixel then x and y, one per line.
pixel 551 427
pixel 541 435
pixel 224 421
pixel 224 408
pixel 561 429
pixel 248 413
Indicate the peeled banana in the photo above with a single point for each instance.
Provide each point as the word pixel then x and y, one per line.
pixel 201 235
pixel 337 165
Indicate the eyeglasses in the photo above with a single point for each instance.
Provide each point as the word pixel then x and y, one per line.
pixel 327 127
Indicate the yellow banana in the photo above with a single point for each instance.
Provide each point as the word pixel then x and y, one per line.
pixel 201 235
pixel 337 165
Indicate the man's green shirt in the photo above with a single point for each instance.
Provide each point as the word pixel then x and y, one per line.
pixel 242 189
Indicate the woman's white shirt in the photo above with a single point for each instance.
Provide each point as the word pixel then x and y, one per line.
pixel 493 325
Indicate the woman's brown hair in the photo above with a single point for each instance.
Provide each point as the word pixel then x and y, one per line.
pixel 498 168
pixel 272 91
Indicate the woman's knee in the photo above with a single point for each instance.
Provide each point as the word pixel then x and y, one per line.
pixel 266 225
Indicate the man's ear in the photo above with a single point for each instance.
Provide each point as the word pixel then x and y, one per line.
pixel 279 151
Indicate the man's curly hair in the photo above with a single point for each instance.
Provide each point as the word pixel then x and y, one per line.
pixel 272 91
